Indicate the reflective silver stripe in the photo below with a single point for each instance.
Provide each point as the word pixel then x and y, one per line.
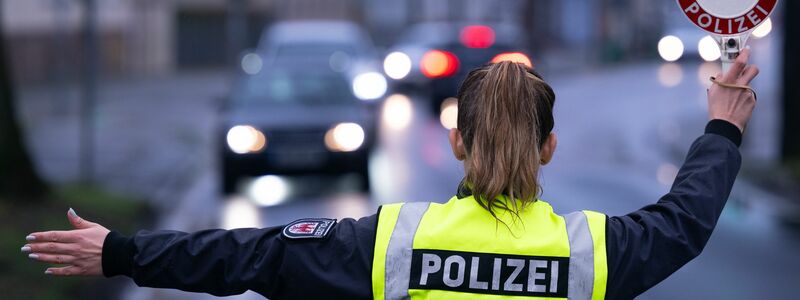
pixel 581 257
pixel 398 252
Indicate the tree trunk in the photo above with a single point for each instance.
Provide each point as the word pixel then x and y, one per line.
pixel 18 177
pixel 791 93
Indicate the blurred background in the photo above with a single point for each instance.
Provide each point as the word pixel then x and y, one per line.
pixel 194 114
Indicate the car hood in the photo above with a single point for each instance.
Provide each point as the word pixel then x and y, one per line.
pixel 271 117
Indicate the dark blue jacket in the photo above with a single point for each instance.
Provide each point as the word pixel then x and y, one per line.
pixel 643 247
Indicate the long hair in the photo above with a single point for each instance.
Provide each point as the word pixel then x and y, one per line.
pixel 505 113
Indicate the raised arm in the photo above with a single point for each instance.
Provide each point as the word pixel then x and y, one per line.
pixel 646 246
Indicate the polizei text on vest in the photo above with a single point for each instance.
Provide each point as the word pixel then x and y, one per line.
pixel 486 273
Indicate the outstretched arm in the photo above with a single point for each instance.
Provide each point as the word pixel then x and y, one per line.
pixel 219 262
pixel 646 246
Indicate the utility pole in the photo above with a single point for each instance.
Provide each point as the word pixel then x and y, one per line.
pixel 790 149
pixel 89 90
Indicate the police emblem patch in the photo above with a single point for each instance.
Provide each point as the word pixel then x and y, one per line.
pixel 316 228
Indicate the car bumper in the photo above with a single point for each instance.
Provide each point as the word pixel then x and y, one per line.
pixel 295 162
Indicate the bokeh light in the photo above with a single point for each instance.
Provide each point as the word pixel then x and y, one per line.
pixel 516 57
pixel 437 63
pixel 708 49
pixel 763 29
pixel 449 113
pixel 269 190
pixel 245 139
pixel 666 173
pixel 237 212
pixel 344 137
pixel 369 86
pixel 670 74
pixel 397 65
pixel 706 70
pixel 252 63
pixel 670 48
pixel 397 112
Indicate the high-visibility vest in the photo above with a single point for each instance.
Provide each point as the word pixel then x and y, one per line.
pixel 458 250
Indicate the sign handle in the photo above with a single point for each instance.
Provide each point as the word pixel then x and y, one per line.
pixel 729 47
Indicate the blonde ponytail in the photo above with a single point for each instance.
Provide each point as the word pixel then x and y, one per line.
pixel 505 112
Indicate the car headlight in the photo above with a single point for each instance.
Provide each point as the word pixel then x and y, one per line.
pixel 763 29
pixel 245 139
pixel 344 137
pixel 369 86
pixel 708 49
pixel 397 65
pixel 670 48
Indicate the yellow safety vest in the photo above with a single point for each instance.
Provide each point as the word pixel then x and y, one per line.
pixel 457 250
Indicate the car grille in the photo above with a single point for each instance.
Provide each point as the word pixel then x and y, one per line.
pixel 293 141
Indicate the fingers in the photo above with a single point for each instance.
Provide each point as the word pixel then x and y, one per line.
pixel 738 66
pixel 66 271
pixel 60 259
pixel 51 236
pixel 77 221
pixel 748 74
pixel 49 247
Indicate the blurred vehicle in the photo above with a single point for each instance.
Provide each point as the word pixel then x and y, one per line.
pixel 304 104
pixel 688 43
pixel 438 55
pixel 339 45
pixel 683 40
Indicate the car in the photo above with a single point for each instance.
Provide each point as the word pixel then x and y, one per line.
pixel 342 46
pixel 436 56
pixel 681 40
pixel 303 105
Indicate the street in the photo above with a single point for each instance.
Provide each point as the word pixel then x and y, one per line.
pixel 622 135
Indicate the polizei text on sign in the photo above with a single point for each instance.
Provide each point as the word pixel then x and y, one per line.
pixel 706 19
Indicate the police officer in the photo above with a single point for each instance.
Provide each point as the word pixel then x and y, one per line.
pixel 494 239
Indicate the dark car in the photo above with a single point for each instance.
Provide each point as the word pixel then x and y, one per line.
pixel 303 105
pixel 436 56
pixel 295 120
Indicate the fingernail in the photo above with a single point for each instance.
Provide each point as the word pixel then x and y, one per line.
pixel 48 272
pixel 30 238
pixel 72 212
pixel 26 248
pixel 33 256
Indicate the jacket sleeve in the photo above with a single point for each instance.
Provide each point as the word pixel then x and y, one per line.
pixel 229 262
pixel 646 246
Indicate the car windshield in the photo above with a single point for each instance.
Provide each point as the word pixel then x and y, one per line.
pixel 291 52
pixel 279 86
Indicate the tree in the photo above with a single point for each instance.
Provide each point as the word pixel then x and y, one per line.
pixel 791 93
pixel 18 177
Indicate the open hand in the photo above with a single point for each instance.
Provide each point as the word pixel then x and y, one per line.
pixel 80 250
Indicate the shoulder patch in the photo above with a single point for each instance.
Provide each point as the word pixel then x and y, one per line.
pixel 315 228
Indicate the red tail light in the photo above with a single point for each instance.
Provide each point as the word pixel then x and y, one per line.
pixel 516 57
pixel 438 63
pixel 477 36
